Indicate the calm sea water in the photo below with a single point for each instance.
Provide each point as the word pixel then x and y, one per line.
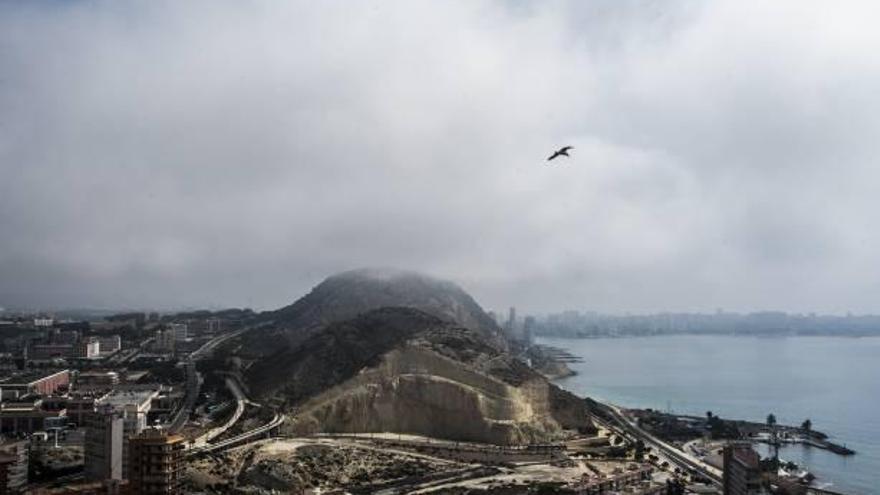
pixel 833 381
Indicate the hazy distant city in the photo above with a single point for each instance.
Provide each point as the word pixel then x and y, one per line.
pixel 767 323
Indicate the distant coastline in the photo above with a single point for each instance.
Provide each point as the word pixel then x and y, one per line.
pixel 589 324
pixel 743 335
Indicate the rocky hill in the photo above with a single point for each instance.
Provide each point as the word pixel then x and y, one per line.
pixel 348 294
pixel 397 351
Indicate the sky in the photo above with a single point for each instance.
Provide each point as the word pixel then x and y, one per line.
pixel 166 154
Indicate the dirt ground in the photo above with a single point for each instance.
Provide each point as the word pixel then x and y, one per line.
pixel 303 466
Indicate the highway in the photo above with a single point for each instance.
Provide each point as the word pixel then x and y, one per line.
pixel 240 401
pixel 194 379
pixel 683 460
pixel 208 347
pixel 239 439
pixel 193 384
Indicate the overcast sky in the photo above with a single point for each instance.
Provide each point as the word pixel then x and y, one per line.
pixel 177 154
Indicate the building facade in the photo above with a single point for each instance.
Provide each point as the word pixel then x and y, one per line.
pixel 41 383
pixel 14 456
pixel 103 444
pixel 89 348
pixel 742 470
pixel 180 331
pixel 134 406
pixel 156 461
pixel 110 344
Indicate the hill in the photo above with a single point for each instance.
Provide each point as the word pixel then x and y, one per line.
pixel 351 293
pixel 398 351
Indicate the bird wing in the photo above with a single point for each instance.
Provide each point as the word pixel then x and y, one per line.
pixel 566 148
pixel 554 155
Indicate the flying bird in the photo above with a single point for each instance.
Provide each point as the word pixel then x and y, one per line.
pixel 561 152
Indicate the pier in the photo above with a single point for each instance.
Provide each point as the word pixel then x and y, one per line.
pixel 560 355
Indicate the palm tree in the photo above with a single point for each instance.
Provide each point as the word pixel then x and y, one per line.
pixel 771 422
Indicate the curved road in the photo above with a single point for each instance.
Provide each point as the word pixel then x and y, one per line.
pixel 682 459
pixel 194 380
pixel 240 401
pixel 239 439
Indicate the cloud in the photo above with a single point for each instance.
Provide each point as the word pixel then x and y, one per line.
pixel 176 154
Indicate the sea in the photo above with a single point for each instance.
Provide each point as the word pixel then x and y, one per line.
pixel 833 381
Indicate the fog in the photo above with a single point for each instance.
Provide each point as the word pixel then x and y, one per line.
pixel 166 154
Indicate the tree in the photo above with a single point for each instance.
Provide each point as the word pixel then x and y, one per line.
pixel 639 452
pixel 708 414
pixel 771 422
pixel 807 425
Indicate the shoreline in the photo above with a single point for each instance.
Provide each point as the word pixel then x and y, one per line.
pixel 707 334
pixel 793 435
pixel 829 458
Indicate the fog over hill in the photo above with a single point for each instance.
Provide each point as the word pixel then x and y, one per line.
pixel 350 293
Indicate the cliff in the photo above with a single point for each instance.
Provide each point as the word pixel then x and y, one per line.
pixel 423 376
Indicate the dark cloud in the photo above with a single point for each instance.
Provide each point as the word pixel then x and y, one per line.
pixel 176 154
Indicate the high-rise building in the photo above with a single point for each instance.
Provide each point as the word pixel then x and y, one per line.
pixel 215 325
pixel 742 470
pixel 528 329
pixel 164 340
pixel 511 319
pixel 156 460
pixel 109 344
pixel 103 444
pixel 14 459
pixel 89 347
pixel 118 417
pixel 7 462
pixel 134 407
pixel 179 330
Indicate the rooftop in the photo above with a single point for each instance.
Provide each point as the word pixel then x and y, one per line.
pixel 121 398
pixel 26 377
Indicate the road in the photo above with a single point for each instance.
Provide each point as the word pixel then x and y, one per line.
pixel 193 384
pixel 240 401
pixel 194 379
pixel 241 439
pixel 683 460
pixel 208 347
